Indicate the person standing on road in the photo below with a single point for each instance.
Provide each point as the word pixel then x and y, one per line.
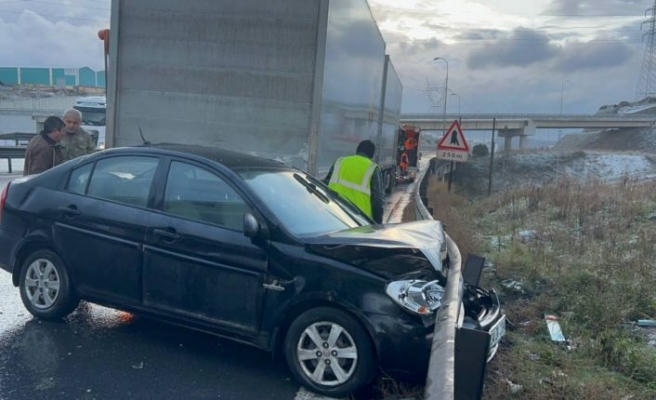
pixel 404 163
pixel 43 152
pixel 359 179
pixel 76 142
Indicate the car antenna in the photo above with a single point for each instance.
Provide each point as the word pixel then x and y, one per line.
pixel 142 138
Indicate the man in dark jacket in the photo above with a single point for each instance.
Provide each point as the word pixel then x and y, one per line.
pixel 359 179
pixel 42 152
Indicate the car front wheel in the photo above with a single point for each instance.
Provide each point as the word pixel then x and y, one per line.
pixel 44 286
pixel 329 352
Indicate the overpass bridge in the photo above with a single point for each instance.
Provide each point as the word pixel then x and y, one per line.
pixel 524 125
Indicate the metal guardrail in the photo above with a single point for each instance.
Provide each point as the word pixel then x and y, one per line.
pixel 11 152
pixel 459 352
pixel 440 382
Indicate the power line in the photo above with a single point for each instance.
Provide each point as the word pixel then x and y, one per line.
pixel 65 5
pixel 529 42
pixel 27 2
pixel 442 14
pixel 99 19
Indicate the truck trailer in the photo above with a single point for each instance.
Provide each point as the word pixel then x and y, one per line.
pixel 386 154
pixel 301 81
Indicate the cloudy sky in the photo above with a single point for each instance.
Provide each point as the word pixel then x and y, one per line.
pixel 503 55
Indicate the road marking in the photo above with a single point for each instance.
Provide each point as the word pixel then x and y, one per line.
pixel 305 395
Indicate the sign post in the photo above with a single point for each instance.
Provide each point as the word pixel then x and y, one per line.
pixel 453 147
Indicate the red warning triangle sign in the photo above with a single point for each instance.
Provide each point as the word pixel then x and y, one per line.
pixel 453 139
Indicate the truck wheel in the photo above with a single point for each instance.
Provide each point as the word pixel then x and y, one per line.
pixel 44 286
pixel 390 179
pixel 329 352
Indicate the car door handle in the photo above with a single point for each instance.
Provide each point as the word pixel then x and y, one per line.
pixel 167 235
pixel 71 211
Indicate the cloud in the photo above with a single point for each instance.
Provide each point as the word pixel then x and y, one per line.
pixel 522 47
pixel 36 41
pixel 596 7
pixel 591 56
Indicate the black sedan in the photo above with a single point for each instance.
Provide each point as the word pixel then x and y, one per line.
pixel 234 245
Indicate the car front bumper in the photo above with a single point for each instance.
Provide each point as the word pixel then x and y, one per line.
pixel 404 342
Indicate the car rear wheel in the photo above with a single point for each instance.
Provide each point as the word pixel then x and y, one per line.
pixel 329 352
pixel 44 286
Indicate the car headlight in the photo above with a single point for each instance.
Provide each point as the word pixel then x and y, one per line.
pixel 419 297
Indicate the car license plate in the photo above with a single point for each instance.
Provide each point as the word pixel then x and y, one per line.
pixel 496 333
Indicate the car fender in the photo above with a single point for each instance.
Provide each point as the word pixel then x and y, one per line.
pixel 308 301
pixel 36 239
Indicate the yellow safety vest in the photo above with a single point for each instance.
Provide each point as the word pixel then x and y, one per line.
pixel 351 178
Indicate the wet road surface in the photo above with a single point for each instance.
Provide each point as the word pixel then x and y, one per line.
pixel 99 353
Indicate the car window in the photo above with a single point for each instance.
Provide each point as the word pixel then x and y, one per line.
pixel 77 183
pixel 123 179
pixel 196 193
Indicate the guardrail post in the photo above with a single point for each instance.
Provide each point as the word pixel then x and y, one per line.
pixel 470 363
pixel 9 164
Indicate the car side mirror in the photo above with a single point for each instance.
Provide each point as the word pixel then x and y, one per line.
pixel 251 226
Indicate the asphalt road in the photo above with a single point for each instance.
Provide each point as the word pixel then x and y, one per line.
pixel 100 353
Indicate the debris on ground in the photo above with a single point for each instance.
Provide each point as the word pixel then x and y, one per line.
pixel 513 286
pixel 514 388
pixel 555 331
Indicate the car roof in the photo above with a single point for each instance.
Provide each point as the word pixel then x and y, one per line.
pixel 231 159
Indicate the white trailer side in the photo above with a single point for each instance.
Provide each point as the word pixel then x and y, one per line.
pixel 297 80
pixel 388 126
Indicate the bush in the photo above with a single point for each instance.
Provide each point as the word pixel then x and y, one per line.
pixel 480 150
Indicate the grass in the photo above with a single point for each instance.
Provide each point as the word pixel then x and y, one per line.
pixel 581 251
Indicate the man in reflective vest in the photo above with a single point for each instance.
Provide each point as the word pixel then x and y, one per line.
pixel 358 179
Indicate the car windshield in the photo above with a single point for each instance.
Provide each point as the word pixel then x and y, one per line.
pixel 304 206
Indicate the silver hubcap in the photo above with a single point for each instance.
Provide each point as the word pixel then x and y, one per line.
pixel 42 283
pixel 327 353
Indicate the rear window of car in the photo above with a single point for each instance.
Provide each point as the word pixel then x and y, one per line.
pixel 125 179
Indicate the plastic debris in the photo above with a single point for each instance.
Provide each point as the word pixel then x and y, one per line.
pixel 555 331
pixel 513 285
pixel 646 322
pixel 138 366
pixel 514 388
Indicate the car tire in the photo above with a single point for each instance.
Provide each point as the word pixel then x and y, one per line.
pixel 329 352
pixel 44 286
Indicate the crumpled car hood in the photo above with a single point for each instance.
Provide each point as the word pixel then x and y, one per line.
pixel 360 246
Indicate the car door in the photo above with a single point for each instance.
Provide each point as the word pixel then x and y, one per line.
pixel 198 263
pixel 101 223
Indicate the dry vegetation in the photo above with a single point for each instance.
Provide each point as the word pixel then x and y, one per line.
pixel 581 251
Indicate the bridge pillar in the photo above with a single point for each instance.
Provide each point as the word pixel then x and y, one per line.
pixel 527 130
pixel 522 142
pixel 507 144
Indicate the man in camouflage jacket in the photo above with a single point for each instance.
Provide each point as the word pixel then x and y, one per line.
pixel 75 142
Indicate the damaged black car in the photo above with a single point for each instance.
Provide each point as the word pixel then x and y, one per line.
pixel 237 246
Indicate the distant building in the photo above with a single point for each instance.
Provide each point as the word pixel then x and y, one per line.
pixel 57 77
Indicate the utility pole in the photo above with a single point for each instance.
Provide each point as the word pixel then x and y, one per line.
pixel 446 89
pixel 489 184
pixel 562 89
